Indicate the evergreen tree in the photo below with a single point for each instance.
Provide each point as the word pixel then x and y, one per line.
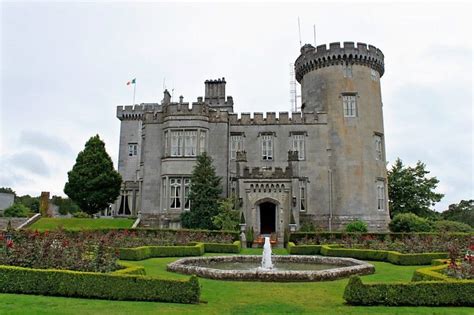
pixel 204 195
pixel 410 190
pixel 93 183
pixel 461 212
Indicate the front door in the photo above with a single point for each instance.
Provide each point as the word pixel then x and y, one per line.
pixel 267 217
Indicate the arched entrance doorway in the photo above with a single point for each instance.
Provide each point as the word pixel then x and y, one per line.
pixel 267 217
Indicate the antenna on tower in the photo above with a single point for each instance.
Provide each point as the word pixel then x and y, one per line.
pixel 299 30
pixel 314 34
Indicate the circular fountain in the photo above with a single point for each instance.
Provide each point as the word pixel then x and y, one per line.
pixel 271 268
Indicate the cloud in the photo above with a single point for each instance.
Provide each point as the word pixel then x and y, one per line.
pixel 42 141
pixel 27 161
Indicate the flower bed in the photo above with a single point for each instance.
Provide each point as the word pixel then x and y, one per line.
pixel 401 242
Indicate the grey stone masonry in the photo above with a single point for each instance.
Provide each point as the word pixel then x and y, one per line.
pixel 325 164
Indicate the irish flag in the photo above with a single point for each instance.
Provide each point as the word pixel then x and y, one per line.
pixel 132 82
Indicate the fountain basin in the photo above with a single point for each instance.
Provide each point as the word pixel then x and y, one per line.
pixel 216 267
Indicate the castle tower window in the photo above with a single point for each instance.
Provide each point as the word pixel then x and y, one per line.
pixel 164 193
pixel 175 193
pixel 202 141
pixel 302 196
pixel 267 147
pixel 187 188
pixel 347 69
pixel 166 143
pixel 349 105
pixel 236 145
pixel 297 144
pixel 132 149
pixel 190 141
pixel 378 142
pixel 381 202
pixel 373 75
pixel 176 143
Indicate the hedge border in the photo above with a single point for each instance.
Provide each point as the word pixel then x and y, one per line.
pixel 110 286
pixel 420 293
pixel 235 247
pixel 145 252
pixel 393 257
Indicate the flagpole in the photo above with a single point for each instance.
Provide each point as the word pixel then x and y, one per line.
pixel 134 90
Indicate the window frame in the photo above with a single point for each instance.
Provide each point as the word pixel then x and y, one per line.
pixel 380 195
pixel 349 105
pixel 132 149
pixel 266 145
pixel 299 138
pixel 303 197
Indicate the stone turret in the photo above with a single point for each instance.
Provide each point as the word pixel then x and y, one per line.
pixel 214 95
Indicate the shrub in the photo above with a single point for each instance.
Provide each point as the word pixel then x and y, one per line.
pixel 451 226
pixel 222 248
pixel 307 227
pixel 356 226
pixel 17 210
pixel 97 285
pixel 80 214
pixel 409 222
pixel 145 252
pixel 303 249
pixel 424 293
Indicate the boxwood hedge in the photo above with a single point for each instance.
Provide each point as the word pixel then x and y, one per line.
pixel 97 285
pixel 222 248
pixel 303 249
pixel 145 252
pixel 423 293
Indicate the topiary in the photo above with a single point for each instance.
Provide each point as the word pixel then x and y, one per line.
pixel 409 222
pixel 357 226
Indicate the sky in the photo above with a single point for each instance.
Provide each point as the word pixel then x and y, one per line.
pixel 64 68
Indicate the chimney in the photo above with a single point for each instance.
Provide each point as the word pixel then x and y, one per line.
pixel 166 97
pixel 215 90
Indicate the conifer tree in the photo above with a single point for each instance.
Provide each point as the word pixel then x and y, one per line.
pixel 204 195
pixel 93 183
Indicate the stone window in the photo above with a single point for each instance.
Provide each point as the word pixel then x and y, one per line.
pixel 373 75
pixel 167 143
pixel 378 142
pixel 347 69
pixel 175 193
pixel 297 144
pixel 236 145
pixel 381 202
pixel 190 141
pixel 164 193
pixel 267 147
pixel 132 149
pixel 302 196
pixel 187 189
pixel 202 141
pixel 349 105
pixel 176 143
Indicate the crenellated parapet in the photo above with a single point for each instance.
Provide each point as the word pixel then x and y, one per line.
pixel 130 112
pixel 283 118
pixel 312 58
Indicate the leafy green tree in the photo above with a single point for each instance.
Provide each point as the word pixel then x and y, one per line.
pixel 410 222
pixel 228 217
pixel 204 195
pixel 451 226
pixel 411 191
pixel 65 205
pixel 93 183
pixel 7 190
pixel 461 212
pixel 17 210
pixel 33 203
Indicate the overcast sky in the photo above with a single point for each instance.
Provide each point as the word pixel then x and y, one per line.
pixel 64 67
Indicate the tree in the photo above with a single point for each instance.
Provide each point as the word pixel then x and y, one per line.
pixel 227 218
pixel 17 210
pixel 461 212
pixel 410 222
pixel 33 203
pixel 204 195
pixel 93 183
pixel 65 205
pixel 410 190
pixel 7 190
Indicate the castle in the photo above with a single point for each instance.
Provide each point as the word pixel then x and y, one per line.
pixel 325 164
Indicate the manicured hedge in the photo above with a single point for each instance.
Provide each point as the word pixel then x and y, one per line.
pixel 303 249
pixel 366 254
pixel 222 248
pixel 433 273
pixel 97 285
pixel 423 293
pixel 130 269
pixel 145 252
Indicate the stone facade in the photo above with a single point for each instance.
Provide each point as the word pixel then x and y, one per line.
pixel 325 164
pixel 6 200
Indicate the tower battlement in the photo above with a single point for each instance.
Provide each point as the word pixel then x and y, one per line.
pixel 283 118
pixel 312 58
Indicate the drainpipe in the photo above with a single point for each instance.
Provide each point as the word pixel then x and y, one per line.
pixel 330 199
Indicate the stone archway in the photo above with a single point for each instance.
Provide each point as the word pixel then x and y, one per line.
pixel 267 217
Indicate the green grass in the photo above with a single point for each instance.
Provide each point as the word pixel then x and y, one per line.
pixel 80 224
pixel 233 297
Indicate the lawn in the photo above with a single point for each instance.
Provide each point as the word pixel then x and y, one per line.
pixel 80 224
pixel 232 297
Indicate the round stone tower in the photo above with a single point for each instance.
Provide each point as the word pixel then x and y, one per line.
pixel 344 83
